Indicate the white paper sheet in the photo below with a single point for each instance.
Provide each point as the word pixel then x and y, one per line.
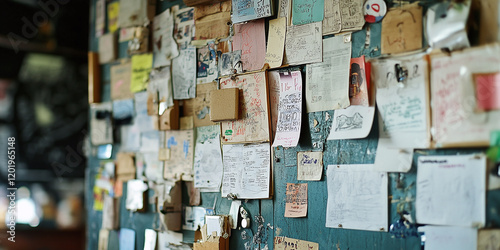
pixel 247 170
pixel 289 110
pixel 246 10
pixel 357 198
pixel 167 239
pixel 208 158
pixel 327 83
pixel 303 44
pixel 389 159
pixel 101 129
pixel 332 20
pixel 184 74
pixel 194 218
pixel 353 122
pixel 130 138
pixel 142 120
pixel 164 46
pixel 451 190
pixel 309 166
pixel 456 238
pixel 150 239
pixel 161 82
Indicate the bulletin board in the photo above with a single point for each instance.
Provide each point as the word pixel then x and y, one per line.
pixel 267 216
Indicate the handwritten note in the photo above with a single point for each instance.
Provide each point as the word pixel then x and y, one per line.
pixel 487 91
pixel 402 29
pixel 247 170
pixel 303 44
pixel 285 243
pixel 289 110
pixel 307 11
pixel 351 206
pixel 332 20
pixel 276 42
pixel 254 126
pixel 164 46
pixel 454 117
pixel 439 237
pixel 351 12
pixel 120 81
pixel 141 66
pixel 451 190
pixel 250 38
pixel 208 158
pixel 327 83
pixel 180 164
pixel 274 97
pixel 296 200
pixel 309 166
pixel 246 10
pixel 285 10
pixel 488 239
pixel 184 74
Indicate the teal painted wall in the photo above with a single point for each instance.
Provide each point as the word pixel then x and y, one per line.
pixel 313 138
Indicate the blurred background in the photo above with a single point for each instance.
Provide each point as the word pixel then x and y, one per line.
pixel 44 105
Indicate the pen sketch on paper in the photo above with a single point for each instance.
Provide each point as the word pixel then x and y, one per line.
pixel 254 110
pixel 309 166
pixel 289 110
pixel 247 170
pixel 351 14
pixel 327 83
pixel 459 197
pixel 303 44
pixel 208 158
pixel 307 11
pixel 357 198
pixel 332 20
pixel 184 74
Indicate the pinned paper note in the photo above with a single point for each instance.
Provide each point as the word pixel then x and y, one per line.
pixel 305 11
pixel 164 46
pixel 127 239
pixel 303 44
pixel 332 20
pixel 184 74
pixel 246 10
pixel 181 145
pixel 296 200
pixel 460 190
pixel 113 11
pixel 352 16
pixel 346 208
pixel 439 237
pixel 309 166
pixel 201 104
pixel 208 158
pixel 289 110
pixel 402 29
pixel 120 81
pixel 141 66
pixel 285 243
pixel 327 83
pixel 353 122
pixel 276 42
pixel 250 38
pixel 487 91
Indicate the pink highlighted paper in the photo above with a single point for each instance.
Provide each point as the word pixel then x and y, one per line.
pixel 289 110
pixel 487 91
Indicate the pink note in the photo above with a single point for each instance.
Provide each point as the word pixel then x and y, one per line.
pixel 250 38
pixel 487 91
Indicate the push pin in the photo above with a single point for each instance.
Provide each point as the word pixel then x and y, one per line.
pixel 245 220
pixel 401 73
pixel 231 196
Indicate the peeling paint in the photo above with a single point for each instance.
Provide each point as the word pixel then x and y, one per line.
pixel 327 116
pixel 278 231
pixel 315 122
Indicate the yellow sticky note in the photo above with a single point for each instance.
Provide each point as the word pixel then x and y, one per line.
pixel 141 66
pixel 113 11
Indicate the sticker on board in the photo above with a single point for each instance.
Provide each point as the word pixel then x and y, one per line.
pixel 374 10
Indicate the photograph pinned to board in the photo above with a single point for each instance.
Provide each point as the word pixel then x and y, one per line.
pixel 250 38
pixel 303 44
pixel 457 123
pixel 230 63
pixel 460 191
pixel 183 26
pixel 403 111
pixel 327 82
pixel 206 64
pixel 255 126
pixel 309 166
pixel 359 82
pixel 296 200
pixel 346 208
pixel 276 42
pixel 289 110
pixel 180 164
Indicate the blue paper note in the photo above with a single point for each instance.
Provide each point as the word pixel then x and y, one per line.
pixel 307 11
pixel 127 239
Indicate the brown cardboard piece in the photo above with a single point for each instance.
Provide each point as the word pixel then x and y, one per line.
pixel 125 166
pixel 224 104
pixel 186 123
pixel 212 20
pixel 94 78
pixel 169 120
pixel 211 241
pixel 172 208
pixel 402 29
